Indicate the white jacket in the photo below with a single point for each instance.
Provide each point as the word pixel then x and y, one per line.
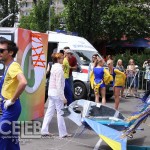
pixel 57 81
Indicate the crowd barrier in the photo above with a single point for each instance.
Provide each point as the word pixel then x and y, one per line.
pixel 142 83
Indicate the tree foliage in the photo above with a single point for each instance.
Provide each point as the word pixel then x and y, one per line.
pixel 38 19
pixel 84 16
pixel 126 19
pixel 7 7
pixel 108 19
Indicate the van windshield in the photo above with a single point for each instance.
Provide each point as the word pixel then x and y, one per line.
pixel 83 56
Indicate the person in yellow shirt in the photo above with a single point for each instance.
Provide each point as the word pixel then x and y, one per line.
pixel 118 81
pixel 12 85
pixel 66 67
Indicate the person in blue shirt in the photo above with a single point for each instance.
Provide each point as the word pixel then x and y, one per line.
pixel 99 85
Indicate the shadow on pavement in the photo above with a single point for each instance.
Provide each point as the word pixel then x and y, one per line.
pixel 136 141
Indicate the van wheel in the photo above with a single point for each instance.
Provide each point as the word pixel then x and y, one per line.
pixel 80 91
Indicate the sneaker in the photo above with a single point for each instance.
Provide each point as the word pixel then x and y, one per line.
pixel 66 136
pixel 128 94
pixel 47 135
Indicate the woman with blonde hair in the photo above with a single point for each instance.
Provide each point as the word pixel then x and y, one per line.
pixel 120 67
pixel 56 97
pixel 131 71
pixel 118 81
pixel 99 85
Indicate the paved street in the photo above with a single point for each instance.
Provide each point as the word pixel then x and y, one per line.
pixel 88 139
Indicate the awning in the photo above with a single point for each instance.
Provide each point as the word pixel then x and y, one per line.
pixel 144 43
pixel 141 43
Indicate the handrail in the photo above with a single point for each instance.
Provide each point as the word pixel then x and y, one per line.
pixel 6 18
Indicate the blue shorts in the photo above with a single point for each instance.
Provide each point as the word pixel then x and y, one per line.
pixel 102 85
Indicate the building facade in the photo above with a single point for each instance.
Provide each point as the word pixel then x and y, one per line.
pixel 58 4
pixel 26 5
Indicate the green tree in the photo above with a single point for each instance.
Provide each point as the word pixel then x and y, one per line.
pixel 128 19
pixel 57 20
pixel 8 7
pixel 108 19
pixel 38 19
pixel 84 16
pixel 27 22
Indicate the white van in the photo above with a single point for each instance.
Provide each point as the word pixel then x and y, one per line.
pixel 83 51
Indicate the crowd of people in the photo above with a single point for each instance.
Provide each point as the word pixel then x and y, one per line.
pixel 120 75
pixel 113 76
pixel 60 86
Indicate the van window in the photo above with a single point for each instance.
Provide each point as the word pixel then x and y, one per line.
pixel 83 56
pixel 51 48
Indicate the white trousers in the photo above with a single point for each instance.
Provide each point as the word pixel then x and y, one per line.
pixel 54 103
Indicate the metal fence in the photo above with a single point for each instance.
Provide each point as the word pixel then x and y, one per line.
pixel 142 83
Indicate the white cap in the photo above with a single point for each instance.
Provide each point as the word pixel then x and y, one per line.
pixel 68 51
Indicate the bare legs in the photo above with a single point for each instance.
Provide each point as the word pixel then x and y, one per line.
pixel 103 94
pixel 131 91
pixel 122 91
pixel 117 91
pixel 116 96
pixel 97 97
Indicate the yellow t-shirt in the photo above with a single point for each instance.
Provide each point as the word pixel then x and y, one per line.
pixel 10 82
pixel 66 68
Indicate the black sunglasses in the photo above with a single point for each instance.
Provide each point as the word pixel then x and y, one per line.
pixel 2 50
